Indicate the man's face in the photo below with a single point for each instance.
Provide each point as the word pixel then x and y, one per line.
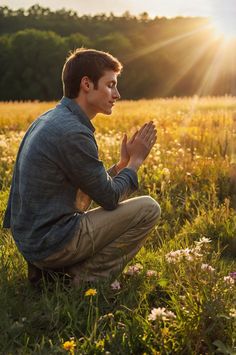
pixel 103 98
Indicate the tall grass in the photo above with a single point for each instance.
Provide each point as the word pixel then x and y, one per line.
pixel 178 295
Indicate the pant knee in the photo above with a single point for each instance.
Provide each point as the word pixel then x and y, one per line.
pixel 151 207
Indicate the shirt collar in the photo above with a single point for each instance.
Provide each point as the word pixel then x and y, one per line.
pixel 77 110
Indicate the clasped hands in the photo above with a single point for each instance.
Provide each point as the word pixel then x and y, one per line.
pixel 135 150
pixel 132 154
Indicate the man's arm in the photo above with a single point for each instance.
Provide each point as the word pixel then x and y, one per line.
pixel 87 172
pixel 80 162
pixel 115 169
pixel 83 201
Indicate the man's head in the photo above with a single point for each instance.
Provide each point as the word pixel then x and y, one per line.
pixel 88 63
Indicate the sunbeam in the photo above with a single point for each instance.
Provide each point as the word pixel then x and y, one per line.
pixel 189 62
pixel 159 45
pixel 214 70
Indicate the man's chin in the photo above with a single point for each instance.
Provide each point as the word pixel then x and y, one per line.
pixel 107 112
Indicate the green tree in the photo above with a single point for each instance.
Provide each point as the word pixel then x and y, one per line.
pixel 36 60
pixel 116 43
pixel 77 40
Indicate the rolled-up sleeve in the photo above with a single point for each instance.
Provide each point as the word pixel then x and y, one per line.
pixel 83 168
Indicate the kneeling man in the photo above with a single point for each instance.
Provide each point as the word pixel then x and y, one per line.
pixel 58 172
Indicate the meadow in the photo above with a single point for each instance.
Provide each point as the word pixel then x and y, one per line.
pixel 178 294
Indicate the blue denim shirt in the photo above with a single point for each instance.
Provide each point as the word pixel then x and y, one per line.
pixel 58 155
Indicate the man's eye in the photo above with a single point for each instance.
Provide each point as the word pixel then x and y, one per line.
pixel 111 85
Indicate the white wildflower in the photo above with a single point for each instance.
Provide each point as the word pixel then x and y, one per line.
pixel 161 313
pixel 106 316
pixel 232 313
pixel 116 285
pixel 173 256
pixel 187 254
pixel 229 280
pixel 202 241
pixel 151 273
pixel 170 314
pixel 207 267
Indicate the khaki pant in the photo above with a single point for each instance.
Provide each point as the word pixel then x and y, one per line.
pixel 106 240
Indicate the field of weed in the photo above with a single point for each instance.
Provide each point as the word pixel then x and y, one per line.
pixel 178 295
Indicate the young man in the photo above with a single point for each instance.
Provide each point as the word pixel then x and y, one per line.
pixel 58 172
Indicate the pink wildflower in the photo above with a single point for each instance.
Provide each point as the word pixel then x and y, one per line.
pixel 151 273
pixel 133 270
pixel 233 275
pixel 116 285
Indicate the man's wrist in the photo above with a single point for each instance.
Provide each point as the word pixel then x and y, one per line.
pixel 135 164
pixel 119 166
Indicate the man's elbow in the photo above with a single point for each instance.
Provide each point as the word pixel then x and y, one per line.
pixel 109 200
pixel 110 203
pixel 109 206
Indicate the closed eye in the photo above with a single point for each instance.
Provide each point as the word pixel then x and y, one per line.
pixel 112 84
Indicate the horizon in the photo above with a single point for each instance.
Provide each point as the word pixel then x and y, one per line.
pixel 164 8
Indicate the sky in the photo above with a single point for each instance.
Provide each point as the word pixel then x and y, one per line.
pixel 167 8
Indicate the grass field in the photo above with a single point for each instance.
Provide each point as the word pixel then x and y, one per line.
pixel 178 295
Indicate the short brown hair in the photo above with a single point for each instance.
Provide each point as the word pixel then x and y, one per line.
pixel 86 62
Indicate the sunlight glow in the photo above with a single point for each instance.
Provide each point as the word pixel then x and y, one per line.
pixel 213 70
pixel 157 46
pixel 219 52
pixel 190 61
pixel 225 26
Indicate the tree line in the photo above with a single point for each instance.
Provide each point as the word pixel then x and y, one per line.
pixel 162 57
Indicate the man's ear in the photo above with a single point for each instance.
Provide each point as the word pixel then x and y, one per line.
pixel 85 83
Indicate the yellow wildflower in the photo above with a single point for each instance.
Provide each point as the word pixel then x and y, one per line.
pixel 69 345
pixel 100 344
pixel 91 292
pixel 165 332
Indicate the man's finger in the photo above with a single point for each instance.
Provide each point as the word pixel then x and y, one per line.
pixel 152 142
pixel 149 127
pixel 141 129
pixel 149 137
pixel 133 137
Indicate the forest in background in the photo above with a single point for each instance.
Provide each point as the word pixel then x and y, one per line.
pixel 162 57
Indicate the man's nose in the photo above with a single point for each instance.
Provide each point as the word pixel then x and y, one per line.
pixel 116 94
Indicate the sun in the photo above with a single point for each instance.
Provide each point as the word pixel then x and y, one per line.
pixel 225 26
